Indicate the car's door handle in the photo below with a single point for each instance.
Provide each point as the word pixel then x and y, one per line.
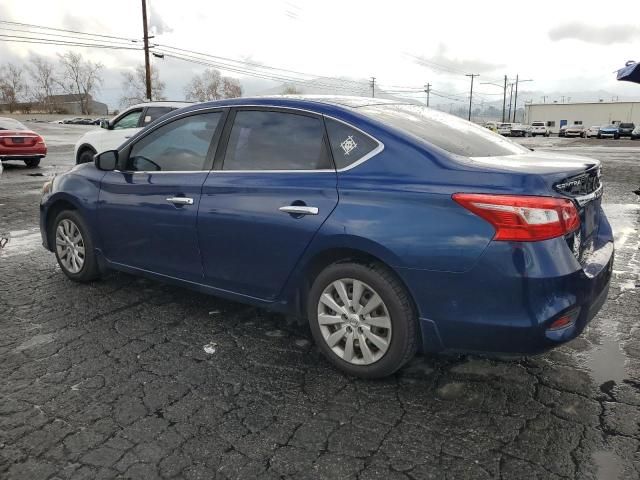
pixel 299 210
pixel 180 200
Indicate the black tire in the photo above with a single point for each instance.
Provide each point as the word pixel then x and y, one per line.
pixel 547 134
pixel 616 137
pixel 404 337
pixel 85 156
pixel 89 270
pixel 533 135
pixel 599 136
pixel 32 162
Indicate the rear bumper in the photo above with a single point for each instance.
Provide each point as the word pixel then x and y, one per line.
pixel 24 156
pixel 508 301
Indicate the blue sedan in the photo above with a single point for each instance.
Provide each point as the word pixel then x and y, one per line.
pixel 390 228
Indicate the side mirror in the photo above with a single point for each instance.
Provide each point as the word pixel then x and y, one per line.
pixel 107 160
pixel 104 124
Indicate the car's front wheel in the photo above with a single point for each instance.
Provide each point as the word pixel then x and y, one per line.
pixel 73 247
pixel 86 156
pixel 362 319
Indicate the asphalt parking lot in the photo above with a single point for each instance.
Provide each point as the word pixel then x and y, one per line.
pixel 131 378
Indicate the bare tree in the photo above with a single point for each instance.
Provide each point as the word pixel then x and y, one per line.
pixel 134 86
pixel 13 87
pixel 45 82
pixel 290 89
pixel 231 87
pixel 212 86
pixel 80 77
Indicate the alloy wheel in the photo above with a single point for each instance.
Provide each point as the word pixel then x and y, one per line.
pixel 354 321
pixel 70 246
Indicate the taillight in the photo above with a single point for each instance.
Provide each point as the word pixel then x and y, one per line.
pixel 39 139
pixel 523 218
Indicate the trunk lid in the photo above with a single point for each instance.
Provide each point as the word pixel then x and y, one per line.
pixel 17 138
pixel 570 176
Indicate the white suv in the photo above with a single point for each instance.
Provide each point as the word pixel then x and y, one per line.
pixel 539 128
pixel 113 133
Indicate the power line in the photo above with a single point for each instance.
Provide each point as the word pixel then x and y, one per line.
pixel 46 41
pixel 41 27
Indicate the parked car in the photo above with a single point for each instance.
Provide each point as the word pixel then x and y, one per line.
pixel 520 130
pixel 611 130
pixel 98 121
pixel 17 142
pixel 592 131
pixel 124 126
pixel 504 129
pixel 358 214
pixel 539 128
pixel 562 130
pixel 625 129
pixel 636 133
pixel 575 131
pixel 72 120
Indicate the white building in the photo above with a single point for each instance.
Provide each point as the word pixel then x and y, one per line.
pixel 588 114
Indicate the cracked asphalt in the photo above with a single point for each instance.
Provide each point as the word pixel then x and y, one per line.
pixel 129 378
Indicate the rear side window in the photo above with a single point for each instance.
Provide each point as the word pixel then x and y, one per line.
pixel 348 145
pixel 263 140
pixel 181 145
pixel 448 132
pixel 154 113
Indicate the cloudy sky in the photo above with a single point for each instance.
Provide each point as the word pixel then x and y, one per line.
pixel 566 50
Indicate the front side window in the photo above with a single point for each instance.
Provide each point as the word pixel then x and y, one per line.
pixel 263 140
pixel 154 113
pixel 348 145
pixel 448 132
pixel 130 120
pixel 181 145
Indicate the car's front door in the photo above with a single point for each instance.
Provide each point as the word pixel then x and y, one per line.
pixel 148 209
pixel 272 188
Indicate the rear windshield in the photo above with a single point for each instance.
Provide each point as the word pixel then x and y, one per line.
pixel 626 125
pixel 450 133
pixel 11 124
pixel 538 124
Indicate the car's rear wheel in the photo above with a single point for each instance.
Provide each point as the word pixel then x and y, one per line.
pixel 362 319
pixel 73 247
pixel 32 162
pixel 86 156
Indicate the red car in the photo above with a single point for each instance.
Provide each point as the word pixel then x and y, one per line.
pixel 17 142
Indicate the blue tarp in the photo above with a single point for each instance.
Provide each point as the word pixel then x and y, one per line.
pixel 630 72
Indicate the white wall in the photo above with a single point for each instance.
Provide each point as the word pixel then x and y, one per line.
pixel 601 113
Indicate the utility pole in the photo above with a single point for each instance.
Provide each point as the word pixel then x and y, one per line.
pixel 427 90
pixel 510 98
pixel 544 99
pixel 147 64
pixel 373 86
pixel 515 99
pixel 504 98
pixel 472 75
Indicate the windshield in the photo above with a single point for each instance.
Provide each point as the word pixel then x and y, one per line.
pixel 453 134
pixel 11 124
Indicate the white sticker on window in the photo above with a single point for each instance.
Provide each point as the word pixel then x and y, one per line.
pixel 348 145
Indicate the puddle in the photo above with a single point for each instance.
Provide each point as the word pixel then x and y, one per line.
pixel 608 465
pixel 606 362
pixel 21 242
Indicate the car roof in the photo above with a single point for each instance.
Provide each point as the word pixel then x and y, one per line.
pixel 162 103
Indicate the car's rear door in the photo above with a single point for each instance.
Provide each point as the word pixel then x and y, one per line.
pixel 272 187
pixel 148 210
